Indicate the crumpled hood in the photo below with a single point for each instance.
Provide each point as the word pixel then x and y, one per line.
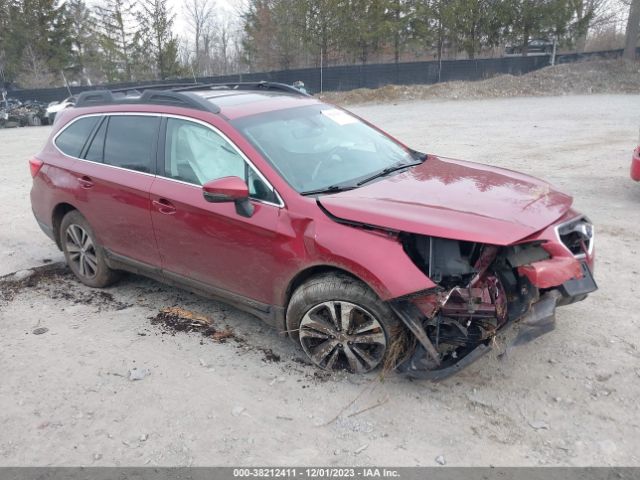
pixel 454 199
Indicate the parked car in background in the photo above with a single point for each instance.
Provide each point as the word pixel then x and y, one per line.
pixel 365 252
pixel 536 46
pixel 55 107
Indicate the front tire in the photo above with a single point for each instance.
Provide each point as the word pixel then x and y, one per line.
pixel 85 257
pixel 341 324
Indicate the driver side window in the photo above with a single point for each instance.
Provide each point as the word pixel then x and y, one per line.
pixel 196 154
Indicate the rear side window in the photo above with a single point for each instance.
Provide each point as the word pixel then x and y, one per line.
pixel 131 142
pixel 94 153
pixel 73 138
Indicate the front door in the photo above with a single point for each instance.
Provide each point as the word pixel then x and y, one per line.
pixel 210 242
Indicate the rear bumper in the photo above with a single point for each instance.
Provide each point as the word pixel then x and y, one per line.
pixel 538 320
pixel 635 165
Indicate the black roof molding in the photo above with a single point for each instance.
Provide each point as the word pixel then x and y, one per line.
pixel 244 86
pixel 176 94
pixel 155 86
pixel 149 97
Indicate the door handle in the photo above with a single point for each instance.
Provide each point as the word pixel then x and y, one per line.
pixel 164 206
pixel 85 182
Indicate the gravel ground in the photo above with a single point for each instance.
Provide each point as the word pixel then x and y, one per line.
pixel 568 398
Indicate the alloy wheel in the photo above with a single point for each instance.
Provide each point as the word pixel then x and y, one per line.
pixel 81 250
pixel 339 335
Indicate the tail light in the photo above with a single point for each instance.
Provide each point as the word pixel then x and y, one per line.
pixel 35 165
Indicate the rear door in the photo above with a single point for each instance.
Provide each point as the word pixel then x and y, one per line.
pixel 114 176
pixel 211 243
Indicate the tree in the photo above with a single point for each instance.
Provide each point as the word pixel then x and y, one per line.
pixel 363 27
pixel 527 19
pixel 116 38
pixel 399 15
pixel 156 39
pixel 35 32
pixel 274 33
pixel 433 24
pixel 199 14
pixel 477 23
pixel 85 46
pixel 322 26
pixel 587 13
pixel 633 29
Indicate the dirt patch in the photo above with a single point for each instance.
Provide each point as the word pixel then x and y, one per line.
pixel 172 320
pixel 601 76
pixel 175 319
pixel 10 286
pixel 57 282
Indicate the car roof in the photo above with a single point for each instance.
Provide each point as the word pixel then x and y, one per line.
pixel 231 101
pixel 235 104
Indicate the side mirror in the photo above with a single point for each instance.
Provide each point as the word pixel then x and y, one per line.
pixel 229 189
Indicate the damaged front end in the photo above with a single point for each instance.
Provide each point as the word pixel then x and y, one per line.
pixel 484 289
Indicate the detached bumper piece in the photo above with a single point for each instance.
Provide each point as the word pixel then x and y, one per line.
pixel 426 363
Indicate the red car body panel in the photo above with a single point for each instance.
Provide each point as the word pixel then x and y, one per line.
pixel 454 199
pixel 635 165
pixel 552 272
pixel 117 203
pixel 209 242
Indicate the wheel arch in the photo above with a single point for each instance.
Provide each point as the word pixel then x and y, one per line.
pixel 58 213
pixel 314 271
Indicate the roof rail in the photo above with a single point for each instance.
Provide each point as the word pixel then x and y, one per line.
pixel 155 86
pixel 262 85
pixel 149 97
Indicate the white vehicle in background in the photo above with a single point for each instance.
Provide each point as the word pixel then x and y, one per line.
pixel 55 107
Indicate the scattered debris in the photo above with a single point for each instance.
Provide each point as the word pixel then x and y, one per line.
pixel 538 425
pixel 237 411
pixel 440 460
pixel 138 373
pixel 97 456
pixel 40 330
pixel 360 449
pixel 176 319
pixel 370 407
pixel 269 355
pixel 22 275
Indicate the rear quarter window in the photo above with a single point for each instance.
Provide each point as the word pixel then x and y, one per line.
pixel 71 140
pixel 131 142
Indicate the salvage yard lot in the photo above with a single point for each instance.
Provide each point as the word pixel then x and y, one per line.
pixel 568 398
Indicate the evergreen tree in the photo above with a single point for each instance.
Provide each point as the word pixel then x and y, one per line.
pixel 156 39
pixel 114 22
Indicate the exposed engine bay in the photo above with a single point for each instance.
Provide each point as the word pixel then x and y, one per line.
pixel 479 291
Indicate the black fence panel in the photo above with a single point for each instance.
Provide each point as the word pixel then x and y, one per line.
pixel 349 77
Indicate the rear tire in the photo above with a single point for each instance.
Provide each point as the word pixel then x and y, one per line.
pixel 85 257
pixel 341 324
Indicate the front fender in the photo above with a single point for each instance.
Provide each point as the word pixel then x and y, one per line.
pixel 376 257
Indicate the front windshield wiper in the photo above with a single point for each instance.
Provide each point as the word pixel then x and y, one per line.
pixel 329 189
pixel 387 171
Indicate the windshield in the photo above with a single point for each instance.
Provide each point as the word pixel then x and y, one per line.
pixel 318 147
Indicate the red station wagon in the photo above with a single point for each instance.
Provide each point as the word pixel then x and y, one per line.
pixel 365 252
